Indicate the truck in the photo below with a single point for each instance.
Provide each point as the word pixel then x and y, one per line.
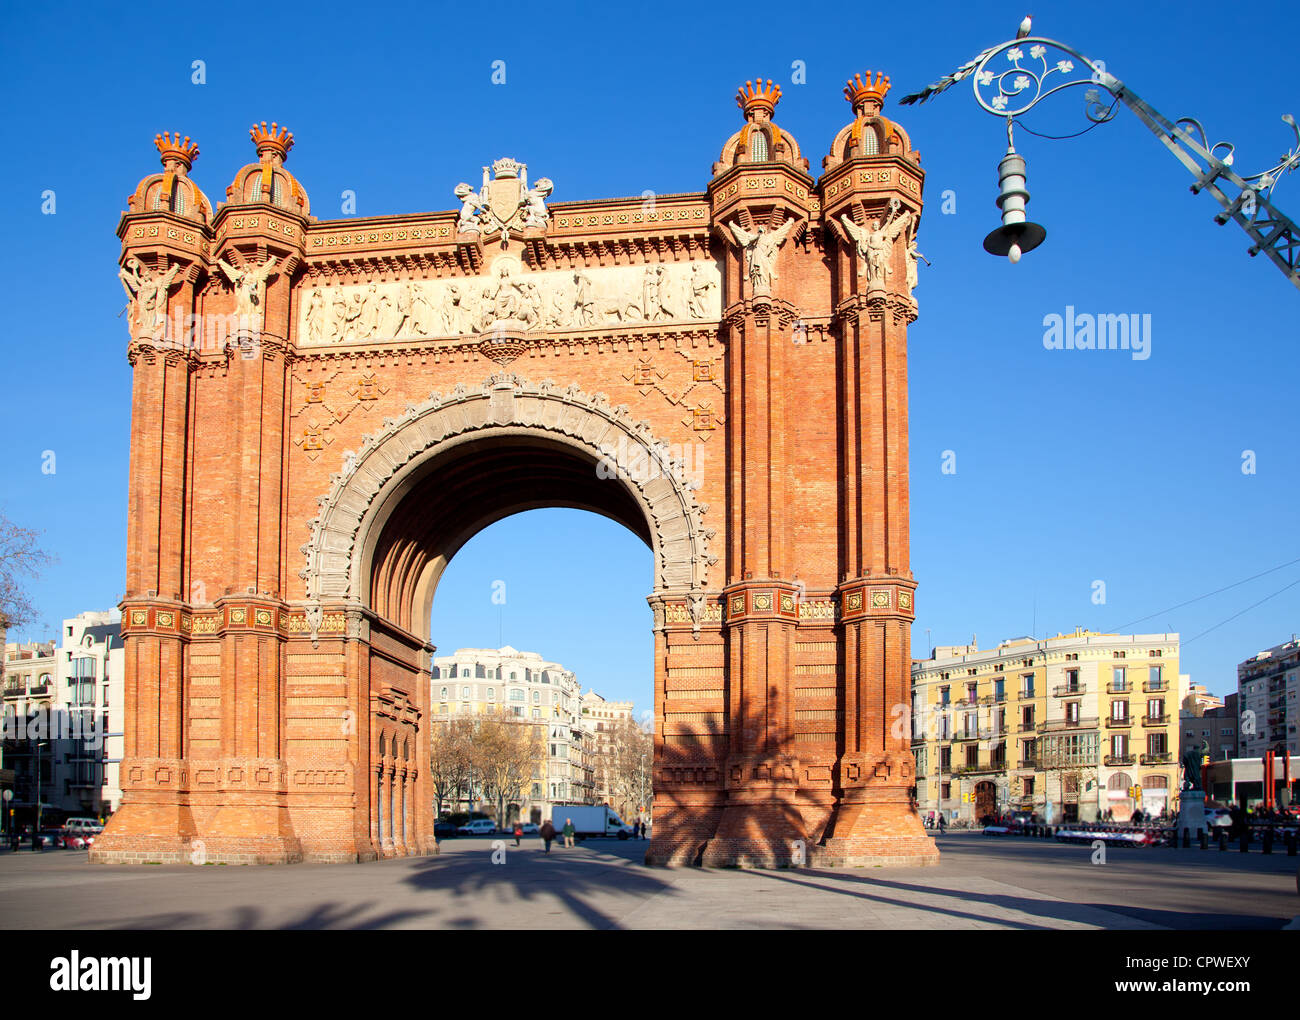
pixel 590 820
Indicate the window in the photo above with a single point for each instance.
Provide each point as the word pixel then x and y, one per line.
pixel 758 146
pixel 1157 743
pixel 443 696
pixel 537 697
pixel 1120 655
pixel 492 694
pixel 1072 679
pixel 1119 745
pixel 1156 708
pixel 1072 711
pixel 436 674
pixel 943 695
pixel 480 671
pixel 1119 709
pixel 946 791
pixel 537 713
pixel 1027 717
pixel 464 693
pixel 1071 656
pixel 516 694
pixel 1000 689
pixel 1027 685
pixel 1028 783
pixel 518 710
pixel 1119 677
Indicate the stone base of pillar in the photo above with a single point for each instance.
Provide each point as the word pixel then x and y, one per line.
pixel 682 829
pixel 763 830
pixel 875 834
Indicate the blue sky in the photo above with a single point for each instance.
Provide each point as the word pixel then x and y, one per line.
pixel 1072 466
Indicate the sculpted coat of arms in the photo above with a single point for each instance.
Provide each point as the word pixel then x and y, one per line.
pixel 504 203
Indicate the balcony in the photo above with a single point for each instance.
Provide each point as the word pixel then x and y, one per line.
pixel 1057 725
pixel 1113 760
pixel 979 767
pixel 1154 686
pixel 1030 763
pixel 15 690
pixel 1113 723
pixel 1066 690
pixel 1158 758
pixel 1028 695
pixel 1027 727
pixel 1119 687
pixel 1155 720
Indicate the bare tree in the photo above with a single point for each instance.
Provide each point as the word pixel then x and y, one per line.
pixel 20 558
pixel 630 758
pixel 507 753
pixel 450 765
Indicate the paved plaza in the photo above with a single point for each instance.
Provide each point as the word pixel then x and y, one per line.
pixel 981 882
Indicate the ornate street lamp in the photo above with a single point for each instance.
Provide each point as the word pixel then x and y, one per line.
pixel 1010 79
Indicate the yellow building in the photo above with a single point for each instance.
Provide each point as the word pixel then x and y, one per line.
pixel 1076 727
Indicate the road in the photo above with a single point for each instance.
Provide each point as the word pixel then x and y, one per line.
pixel 981 882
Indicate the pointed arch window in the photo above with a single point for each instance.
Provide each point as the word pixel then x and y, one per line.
pixel 758 146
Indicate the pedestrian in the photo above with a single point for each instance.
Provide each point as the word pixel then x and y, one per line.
pixel 568 833
pixel 643 828
pixel 547 832
pixel 519 831
pixel 941 823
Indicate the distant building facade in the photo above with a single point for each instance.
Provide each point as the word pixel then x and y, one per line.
pixel 1070 727
pixel 600 721
pixel 1268 689
pixel 479 680
pixel 64 707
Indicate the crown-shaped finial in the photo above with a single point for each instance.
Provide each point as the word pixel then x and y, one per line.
pixel 862 92
pixel 757 96
pixel 277 140
pixel 172 148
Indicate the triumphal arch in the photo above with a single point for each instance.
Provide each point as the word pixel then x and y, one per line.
pixel 325 410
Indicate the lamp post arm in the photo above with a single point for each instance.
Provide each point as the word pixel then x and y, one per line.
pixel 1033 68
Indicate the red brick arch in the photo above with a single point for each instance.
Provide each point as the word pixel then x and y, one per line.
pixel 395 383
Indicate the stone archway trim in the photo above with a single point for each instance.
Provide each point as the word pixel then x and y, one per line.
pixel 505 402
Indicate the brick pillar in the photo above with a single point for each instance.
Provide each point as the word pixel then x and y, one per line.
pixel 761 824
pixel 154 822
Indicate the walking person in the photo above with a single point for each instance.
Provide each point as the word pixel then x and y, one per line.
pixel 547 832
pixel 568 833
pixel 519 831
pixel 942 823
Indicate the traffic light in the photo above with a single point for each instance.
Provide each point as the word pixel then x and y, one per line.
pixel 1135 792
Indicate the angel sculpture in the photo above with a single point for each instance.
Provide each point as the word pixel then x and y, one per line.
pixel 875 244
pixel 760 253
pixel 147 293
pixel 250 290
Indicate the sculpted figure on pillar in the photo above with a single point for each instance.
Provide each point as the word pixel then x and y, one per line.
pixel 250 290
pixel 875 244
pixel 147 293
pixel 760 249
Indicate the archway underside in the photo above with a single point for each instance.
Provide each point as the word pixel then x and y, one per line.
pixel 467 490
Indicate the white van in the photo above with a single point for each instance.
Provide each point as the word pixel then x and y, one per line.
pixel 82 827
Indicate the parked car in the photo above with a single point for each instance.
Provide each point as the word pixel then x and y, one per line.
pixel 75 842
pixel 478 827
pixel 1218 818
pixel 530 829
pixel 52 838
pixel 443 830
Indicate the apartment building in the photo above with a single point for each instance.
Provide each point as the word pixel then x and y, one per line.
pixel 1074 727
